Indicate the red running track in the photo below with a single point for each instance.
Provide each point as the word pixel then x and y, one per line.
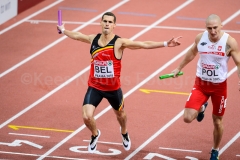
pixel 44 79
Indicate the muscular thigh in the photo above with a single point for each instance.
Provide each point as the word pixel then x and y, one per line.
pixel 115 98
pixel 219 100
pixel 196 98
pixel 92 97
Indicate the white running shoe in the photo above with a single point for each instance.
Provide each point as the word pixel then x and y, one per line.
pixel 93 143
pixel 126 141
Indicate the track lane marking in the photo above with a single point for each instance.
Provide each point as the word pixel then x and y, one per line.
pixel 176 149
pixel 114 143
pixel 78 9
pixel 14 127
pixel 147 91
pixel 35 21
pixel 191 18
pixel 59 40
pixel 44 97
pixel 32 15
pixel 134 88
pixel 37 155
pixel 30 135
pixel 162 129
pixel 181 113
pixel 229 143
pixel 66 82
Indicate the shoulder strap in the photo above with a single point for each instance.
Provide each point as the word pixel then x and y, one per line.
pixel 94 44
pixel 112 42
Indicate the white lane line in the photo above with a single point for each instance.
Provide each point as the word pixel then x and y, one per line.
pixel 183 150
pixel 131 25
pixel 163 18
pixel 32 15
pixel 29 135
pixel 66 82
pixel 105 142
pixel 59 40
pixel 37 155
pixel 129 92
pixel 232 71
pixel 229 143
pixel 191 158
pixel 168 124
pixel 44 97
pixel 231 17
pixel 165 126
pixel 179 114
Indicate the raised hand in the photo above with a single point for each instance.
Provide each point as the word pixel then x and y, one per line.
pixel 174 42
pixel 61 28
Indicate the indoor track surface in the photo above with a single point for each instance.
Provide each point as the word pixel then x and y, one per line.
pixel 43 80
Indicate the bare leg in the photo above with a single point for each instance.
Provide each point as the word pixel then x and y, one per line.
pixel 218 131
pixel 89 121
pixel 122 120
pixel 189 115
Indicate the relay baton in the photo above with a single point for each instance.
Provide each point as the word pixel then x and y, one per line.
pixel 169 75
pixel 59 20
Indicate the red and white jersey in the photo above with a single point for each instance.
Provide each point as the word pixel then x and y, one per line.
pixel 212 64
pixel 105 67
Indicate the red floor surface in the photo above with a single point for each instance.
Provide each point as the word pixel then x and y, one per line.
pixel 44 79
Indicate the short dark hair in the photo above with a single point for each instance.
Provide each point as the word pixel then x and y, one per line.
pixel 110 14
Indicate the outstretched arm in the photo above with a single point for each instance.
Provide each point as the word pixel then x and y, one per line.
pixel 76 35
pixel 235 53
pixel 126 43
pixel 191 53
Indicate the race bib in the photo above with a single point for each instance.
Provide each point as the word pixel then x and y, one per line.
pixel 210 72
pixel 103 69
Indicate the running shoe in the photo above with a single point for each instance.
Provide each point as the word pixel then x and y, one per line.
pixel 214 155
pixel 201 114
pixel 93 143
pixel 126 141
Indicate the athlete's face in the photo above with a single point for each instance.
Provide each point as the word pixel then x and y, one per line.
pixel 214 29
pixel 107 24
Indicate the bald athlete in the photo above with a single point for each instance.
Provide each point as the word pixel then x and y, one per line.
pixel 214 47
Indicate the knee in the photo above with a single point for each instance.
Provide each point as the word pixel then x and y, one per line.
pixel 189 115
pixel 187 119
pixel 121 115
pixel 87 113
pixel 218 124
pixel 86 119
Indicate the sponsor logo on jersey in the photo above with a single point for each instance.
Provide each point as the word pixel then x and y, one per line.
pixel 101 63
pixel 212 47
pixel 210 66
pixel 203 43
pixel 215 53
pixel 219 48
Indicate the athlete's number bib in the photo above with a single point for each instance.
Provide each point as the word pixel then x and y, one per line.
pixel 210 72
pixel 103 69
